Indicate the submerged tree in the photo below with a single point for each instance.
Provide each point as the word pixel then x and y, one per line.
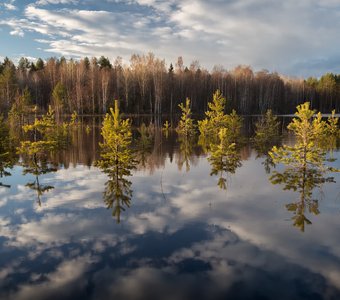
pixel 116 161
pixel 186 132
pixel 308 131
pixel 266 136
pixel 186 125
pixel 45 137
pixel 305 163
pixel 166 128
pixel 330 139
pixel 215 116
pixel 215 120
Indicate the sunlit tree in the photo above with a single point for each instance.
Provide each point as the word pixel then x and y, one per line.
pixel 116 161
pixel 44 137
pixel 305 163
pixel 186 125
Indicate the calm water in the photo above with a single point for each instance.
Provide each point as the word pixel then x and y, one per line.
pixel 183 237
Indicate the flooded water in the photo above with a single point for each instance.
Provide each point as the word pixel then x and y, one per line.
pixel 186 232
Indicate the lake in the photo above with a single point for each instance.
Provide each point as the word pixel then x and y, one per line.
pixel 185 233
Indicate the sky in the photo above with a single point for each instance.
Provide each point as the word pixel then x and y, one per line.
pixel 295 38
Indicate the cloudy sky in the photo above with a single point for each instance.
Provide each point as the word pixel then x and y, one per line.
pixel 298 38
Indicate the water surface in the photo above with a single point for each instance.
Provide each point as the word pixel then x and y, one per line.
pixel 183 237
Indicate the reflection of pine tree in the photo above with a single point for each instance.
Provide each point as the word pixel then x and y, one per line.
pixel 45 138
pixel 116 161
pixel 224 158
pixel 220 134
pixel 37 166
pixel 302 180
pixel 144 144
pixel 185 151
pixel 266 136
pixel 305 163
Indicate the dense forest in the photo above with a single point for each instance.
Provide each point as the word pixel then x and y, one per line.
pixel 148 86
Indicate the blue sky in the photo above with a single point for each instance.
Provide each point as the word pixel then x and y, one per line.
pixel 297 38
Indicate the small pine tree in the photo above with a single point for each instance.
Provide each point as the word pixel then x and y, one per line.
pixel 186 125
pixel 267 128
pixel 333 125
pixel 216 119
pixel 166 126
pixel 215 116
pixel 266 136
pixel 116 161
pixel 74 119
pixel 305 163
pixel 307 131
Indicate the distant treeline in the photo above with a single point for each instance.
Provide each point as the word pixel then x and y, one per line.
pixel 147 85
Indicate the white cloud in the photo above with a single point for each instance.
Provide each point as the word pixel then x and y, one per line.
pixel 280 36
pixel 46 2
pixel 68 273
pixel 17 32
pixel 10 6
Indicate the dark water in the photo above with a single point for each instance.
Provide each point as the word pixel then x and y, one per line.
pixel 182 237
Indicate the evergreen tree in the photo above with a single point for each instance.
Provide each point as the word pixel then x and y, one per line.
pixel 215 116
pixel 186 125
pixel 308 131
pixel 305 163
pixel 47 138
pixel 266 136
pixel 116 161
pixel 216 119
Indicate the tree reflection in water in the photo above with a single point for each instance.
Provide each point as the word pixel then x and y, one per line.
pixel 224 158
pixel 266 136
pixel 186 144
pixel 144 144
pixel 302 180
pixel 37 166
pixel 116 161
pixel 305 162
pixel 45 137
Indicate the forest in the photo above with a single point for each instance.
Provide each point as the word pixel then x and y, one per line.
pixel 147 85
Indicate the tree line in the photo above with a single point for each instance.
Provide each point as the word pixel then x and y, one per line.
pixel 148 86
